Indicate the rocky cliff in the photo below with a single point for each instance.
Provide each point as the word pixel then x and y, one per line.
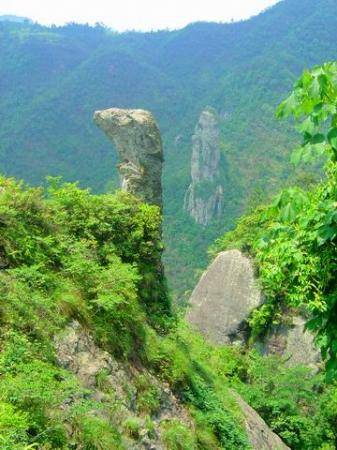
pixel 223 300
pixel 291 340
pixel 107 379
pixel 205 195
pixel 138 142
pixel 224 297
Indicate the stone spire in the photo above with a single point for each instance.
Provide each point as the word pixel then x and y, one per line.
pixel 205 196
pixel 136 136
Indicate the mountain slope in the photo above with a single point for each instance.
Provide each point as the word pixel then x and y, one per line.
pixel 52 79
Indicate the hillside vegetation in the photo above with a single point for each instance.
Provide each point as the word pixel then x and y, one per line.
pixel 293 240
pixel 52 79
pixel 69 257
pixel 77 265
pixel 93 355
pixel 73 262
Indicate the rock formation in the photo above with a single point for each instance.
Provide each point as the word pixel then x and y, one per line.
pixel 204 197
pixel 259 434
pixel 138 142
pixel 224 297
pixel 291 340
pixel 77 352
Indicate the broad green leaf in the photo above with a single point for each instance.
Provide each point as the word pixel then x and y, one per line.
pixel 307 126
pixel 318 138
pixel 296 156
pixel 287 106
pixel 332 137
pixel 326 233
pixel 315 88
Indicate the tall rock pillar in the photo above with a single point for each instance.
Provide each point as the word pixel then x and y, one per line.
pixel 205 196
pixel 136 136
pixel 138 143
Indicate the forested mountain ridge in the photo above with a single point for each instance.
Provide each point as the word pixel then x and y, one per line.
pixel 52 79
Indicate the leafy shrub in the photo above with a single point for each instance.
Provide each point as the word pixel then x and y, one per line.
pixel 13 428
pixel 292 400
pixel 132 426
pixel 177 436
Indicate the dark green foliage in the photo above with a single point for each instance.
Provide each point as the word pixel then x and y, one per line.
pixel 294 239
pixel 298 406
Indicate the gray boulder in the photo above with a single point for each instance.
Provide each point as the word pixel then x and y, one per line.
pixel 224 298
pixel 138 142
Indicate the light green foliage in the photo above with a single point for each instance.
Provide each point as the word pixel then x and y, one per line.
pixel 13 428
pixel 197 373
pixel 92 431
pixel 68 254
pixel 132 426
pixel 177 436
pixel 148 395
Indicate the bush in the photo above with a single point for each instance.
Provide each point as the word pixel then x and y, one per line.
pixel 177 437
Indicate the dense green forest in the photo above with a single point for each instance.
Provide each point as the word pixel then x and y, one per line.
pixel 52 79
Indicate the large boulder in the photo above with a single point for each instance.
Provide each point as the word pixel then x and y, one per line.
pixel 224 298
pixel 137 138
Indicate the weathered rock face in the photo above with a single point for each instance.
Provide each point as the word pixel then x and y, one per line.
pixel 293 342
pixel 224 297
pixel 138 142
pixel 205 195
pixel 77 352
pixel 259 434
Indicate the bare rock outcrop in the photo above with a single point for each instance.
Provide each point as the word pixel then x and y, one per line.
pixel 260 436
pixel 136 136
pixel 291 340
pixel 108 380
pixel 224 298
pixel 205 196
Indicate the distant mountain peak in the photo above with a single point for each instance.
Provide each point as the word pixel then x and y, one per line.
pixel 13 18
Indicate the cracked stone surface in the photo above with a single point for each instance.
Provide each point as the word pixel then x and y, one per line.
pixel 137 139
